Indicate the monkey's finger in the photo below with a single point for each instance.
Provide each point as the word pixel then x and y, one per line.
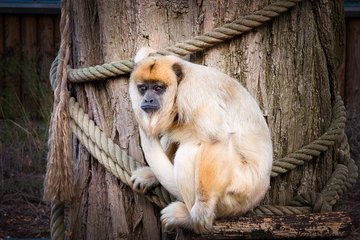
pixel 167 226
pixel 133 179
pixel 137 186
pixel 149 187
pixel 203 226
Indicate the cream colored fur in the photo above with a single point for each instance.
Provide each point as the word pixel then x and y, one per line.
pixel 223 163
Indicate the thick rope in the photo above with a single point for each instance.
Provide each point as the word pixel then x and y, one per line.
pixel 196 44
pixel 315 148
pixel 343 178
pixel 121 165
pixel 57 228
pixel 58 179
pixel 109 154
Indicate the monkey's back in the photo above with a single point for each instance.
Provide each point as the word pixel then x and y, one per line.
pixel 218 109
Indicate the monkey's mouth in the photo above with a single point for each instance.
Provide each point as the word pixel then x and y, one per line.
pixel 149 109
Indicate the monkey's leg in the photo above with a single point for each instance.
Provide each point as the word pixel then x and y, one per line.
pixel 177 213
pixel 184 168
pixel 213 175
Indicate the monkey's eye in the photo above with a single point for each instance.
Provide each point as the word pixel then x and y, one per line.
pixel 159 89
pixel 142 88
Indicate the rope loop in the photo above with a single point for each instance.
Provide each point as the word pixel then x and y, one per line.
pixel 312 199
pixel 334 133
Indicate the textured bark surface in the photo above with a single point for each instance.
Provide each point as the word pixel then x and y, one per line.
pixel 287 64
pixel 103 207
pixel 302 226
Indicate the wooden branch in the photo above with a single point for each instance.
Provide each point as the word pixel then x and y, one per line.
pixel 304 226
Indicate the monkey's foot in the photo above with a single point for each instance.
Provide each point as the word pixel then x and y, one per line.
pixel 143 180
pixel 176 215
pixel 202 215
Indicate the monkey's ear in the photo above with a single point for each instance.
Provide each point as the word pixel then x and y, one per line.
pixel 178 70
pixel 143 53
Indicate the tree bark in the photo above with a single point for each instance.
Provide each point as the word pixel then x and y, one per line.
pixel 288 65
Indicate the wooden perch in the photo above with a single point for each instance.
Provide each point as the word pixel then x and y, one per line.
pixel 304 226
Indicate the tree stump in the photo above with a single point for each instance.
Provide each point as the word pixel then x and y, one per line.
pixel 288 65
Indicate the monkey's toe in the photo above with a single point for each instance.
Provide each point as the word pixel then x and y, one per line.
pixel 176 215
pixel 202 217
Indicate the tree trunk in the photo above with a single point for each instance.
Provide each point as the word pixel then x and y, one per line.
pixel 288 64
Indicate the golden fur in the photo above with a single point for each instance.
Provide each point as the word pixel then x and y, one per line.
pixel 223 162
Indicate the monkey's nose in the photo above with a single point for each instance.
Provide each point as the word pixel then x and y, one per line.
pixel 150 105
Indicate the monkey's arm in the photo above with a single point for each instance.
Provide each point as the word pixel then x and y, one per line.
pixel 159 163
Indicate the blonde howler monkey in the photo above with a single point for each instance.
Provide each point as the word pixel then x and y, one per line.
pixel 223 160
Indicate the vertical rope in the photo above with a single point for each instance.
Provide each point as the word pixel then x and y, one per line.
pixel 58 179
pixel 57 221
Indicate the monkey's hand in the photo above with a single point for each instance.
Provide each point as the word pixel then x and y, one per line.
pixel 202 216
pixel 143 180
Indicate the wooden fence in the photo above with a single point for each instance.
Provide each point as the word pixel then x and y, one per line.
pixel 28 44
pixel 351 85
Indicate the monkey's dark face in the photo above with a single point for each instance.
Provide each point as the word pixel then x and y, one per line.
pixel 151 92
pixel 153 88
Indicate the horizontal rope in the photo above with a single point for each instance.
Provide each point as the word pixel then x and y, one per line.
pixel 119 163
pixel 124 165
pixel 343 177
pixel 195 44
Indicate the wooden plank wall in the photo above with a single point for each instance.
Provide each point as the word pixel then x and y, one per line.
pixel 352 69
pixel 28 44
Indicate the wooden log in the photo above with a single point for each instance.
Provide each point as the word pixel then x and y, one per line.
pixel 304 226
